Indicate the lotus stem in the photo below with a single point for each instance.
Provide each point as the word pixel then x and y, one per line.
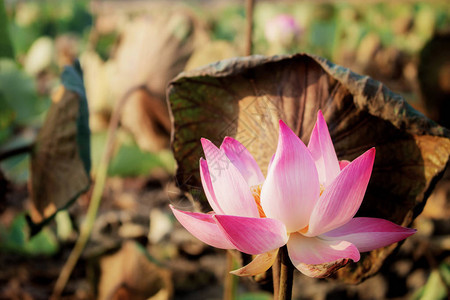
pixel 231 281
pixel 276 276
pixel 286 275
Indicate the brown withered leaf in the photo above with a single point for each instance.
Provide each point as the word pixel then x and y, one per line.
pixel 245 97
pixel 129 274
pixel 57 173
pixel 60 160
pixel 152 51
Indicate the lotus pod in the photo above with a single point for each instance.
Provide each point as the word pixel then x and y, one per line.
pixel 245 97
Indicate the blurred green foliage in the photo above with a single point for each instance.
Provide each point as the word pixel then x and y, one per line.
pixel 15 239
pixel 255 296
pixel 18 100
pixel 20 106
pixel 16 168
pixel 437 285
pixel 18 92
pixel 328 28
pixel 5 42
pixel 33 19
pixel 229 23
pixel 129 159
pixel 104 44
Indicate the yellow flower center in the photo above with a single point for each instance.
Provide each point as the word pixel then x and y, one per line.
pixel 304 230
pixel 256 191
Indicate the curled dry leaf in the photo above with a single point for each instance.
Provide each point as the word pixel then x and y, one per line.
pixel 260 264
pixel 97 78
pixel 129 274
pixel 153 50
pixel 60 160
pixel 245 97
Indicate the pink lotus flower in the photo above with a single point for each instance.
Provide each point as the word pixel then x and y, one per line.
pixel 307 202
pixel 283 30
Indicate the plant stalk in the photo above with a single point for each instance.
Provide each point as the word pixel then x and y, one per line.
pixel 286 275
pixel 5 154
pixel 276 276
pixel 250 4
pixel 231 281
pixel 96 197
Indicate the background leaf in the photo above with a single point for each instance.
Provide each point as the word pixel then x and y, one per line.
pixel 16 239
pixel 72 80
pixel 17 93
pixel 6 49
pixel 60 162
pixel 132 161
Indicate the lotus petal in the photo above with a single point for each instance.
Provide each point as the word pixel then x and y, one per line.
pixel 203 227
pixel 292 186
pixel 322 151
pixel 232 191
pixel 208 188
pixel 253 235
pixel 241 158
pixel 368 234
pixel 342 199
pixel 343 164
pixel 314 250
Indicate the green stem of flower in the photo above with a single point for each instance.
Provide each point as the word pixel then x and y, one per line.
pixel 286 275
pixel 231 281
